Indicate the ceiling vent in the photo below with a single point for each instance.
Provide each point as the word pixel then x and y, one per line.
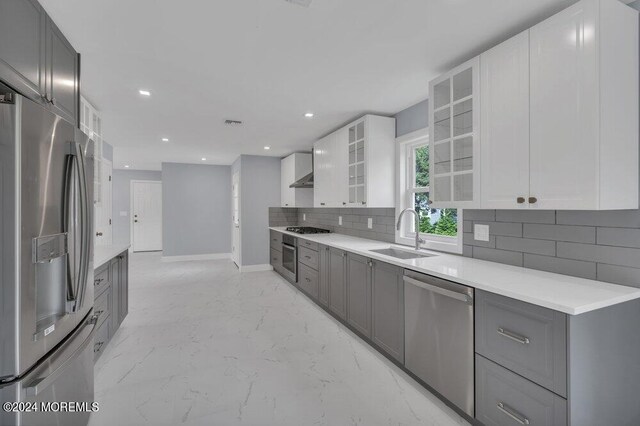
pixel 303 3
pixel 233 122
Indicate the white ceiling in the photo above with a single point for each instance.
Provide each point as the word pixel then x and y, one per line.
pixel 266 62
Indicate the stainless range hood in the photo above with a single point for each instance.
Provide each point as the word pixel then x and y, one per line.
pixel 304 182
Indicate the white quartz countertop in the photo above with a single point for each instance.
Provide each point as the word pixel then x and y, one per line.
pixel 562 293
pixel 103 254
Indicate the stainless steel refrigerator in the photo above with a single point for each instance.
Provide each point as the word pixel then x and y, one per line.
pixel 46 262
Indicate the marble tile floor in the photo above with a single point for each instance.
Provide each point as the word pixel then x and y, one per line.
pixel 206 345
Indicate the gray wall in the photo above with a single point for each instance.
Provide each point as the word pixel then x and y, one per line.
pixel 259 190
pixel 196 209
pixel 413 118
pixel 107 151
pixel 122 200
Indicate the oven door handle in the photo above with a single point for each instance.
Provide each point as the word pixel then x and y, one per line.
pixel 288 247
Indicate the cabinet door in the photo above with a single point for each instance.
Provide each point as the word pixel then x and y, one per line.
pixel 123 290
pixel 287 177
pixel 356 164
pixel 504 77
pixel 454 137
pixel 115 292
pixel 359 293
pixel 322 178
pixel 62 74
pixel 339 194
pixel 337 282
pixel 22 47
pixel 564 110
pixel 387 290
pixel 323 279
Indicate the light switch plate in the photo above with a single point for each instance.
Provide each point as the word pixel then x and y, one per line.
pixel 304 216
pixel 370 223
pixel 340 220
pixel 481 232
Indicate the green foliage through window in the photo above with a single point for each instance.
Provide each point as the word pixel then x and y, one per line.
pixel 432 221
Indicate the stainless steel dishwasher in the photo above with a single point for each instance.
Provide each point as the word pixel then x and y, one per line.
pixel 439 336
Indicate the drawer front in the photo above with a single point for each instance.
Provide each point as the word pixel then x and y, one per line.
pixel 504 398
pixel 308 280
pixel 527 339
pixel 102 306
pixel 308 244
pixel 276 259
pixel 275 239
pixel 101 338
pixel 308 257
pixel 102 280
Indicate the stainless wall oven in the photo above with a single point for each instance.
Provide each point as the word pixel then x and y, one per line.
pixel 290 257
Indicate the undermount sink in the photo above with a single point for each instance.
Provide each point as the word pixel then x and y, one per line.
pixel 401 254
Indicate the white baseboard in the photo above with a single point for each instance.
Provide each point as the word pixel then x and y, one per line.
pixel 211 256
pixel 256 268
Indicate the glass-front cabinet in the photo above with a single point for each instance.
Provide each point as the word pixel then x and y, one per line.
pixel 454 141
pixel 357 165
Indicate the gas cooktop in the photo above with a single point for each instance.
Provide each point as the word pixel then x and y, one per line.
pixel 307 230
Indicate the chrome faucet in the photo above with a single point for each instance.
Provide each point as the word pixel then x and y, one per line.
pixel 418 239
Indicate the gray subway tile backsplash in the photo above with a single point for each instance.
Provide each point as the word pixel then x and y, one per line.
pixel 602 245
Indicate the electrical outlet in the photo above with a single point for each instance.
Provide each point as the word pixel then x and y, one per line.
pixel 304 217
pixel 481 232
pixel 340 220
pixel 370 223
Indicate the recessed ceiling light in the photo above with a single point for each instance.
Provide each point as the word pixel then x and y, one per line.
pixel 126 166
pixel 309 115
pixel 267 148
pixel 144 92
pixel 204 159
pixel 165 139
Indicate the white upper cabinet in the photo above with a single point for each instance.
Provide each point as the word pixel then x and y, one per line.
pixel 354 166
pixel 504 113
pixel 293 168
pixel 454 137
pixel 584 108
pixel 558 116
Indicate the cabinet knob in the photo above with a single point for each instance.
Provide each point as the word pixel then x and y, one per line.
pixel 344 204
pixel 533 200
pixel 322 204
pixel 520 200
pixel 98 234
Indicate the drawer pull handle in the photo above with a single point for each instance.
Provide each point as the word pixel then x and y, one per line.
pixel 509 335
pixel 308 279
pixel 512 413
pixel 308 257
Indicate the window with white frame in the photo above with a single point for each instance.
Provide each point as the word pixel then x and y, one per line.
pixel 440 228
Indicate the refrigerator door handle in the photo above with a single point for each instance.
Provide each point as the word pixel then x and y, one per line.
pixel 40 384
pixel 71 206
pixel 87 220
pixel 77 199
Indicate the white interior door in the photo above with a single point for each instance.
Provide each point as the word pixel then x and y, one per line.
pixel 235 231
pixel 146 214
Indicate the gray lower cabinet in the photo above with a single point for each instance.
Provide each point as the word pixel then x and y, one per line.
pixel 527 339
pixel 504 398
pixel 275 259
pixel 36 58
pixel 308 280
pixel 323 275
pixel 338 282
pixel 359 293
pixel 387 309
pixel 111 289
